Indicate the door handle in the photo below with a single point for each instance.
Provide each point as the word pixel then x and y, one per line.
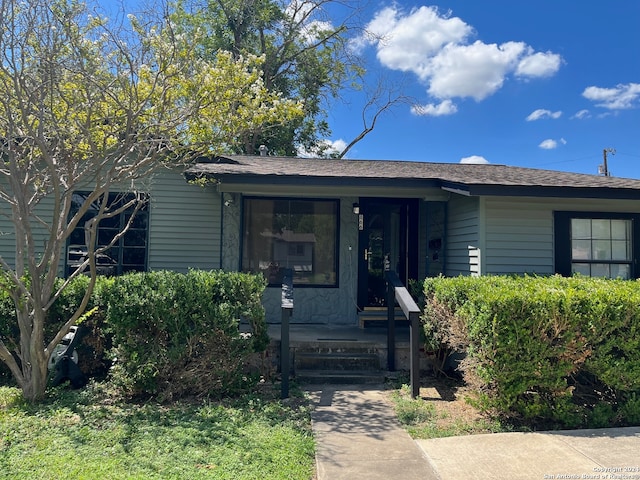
pixel 366 254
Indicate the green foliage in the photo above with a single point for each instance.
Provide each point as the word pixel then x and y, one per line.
pixel 92 348
pixel 171 334
pixel 545 351
pixel 113 105
pixel 306 61
pixel 88 434
pixel 411 411
pixel 178 334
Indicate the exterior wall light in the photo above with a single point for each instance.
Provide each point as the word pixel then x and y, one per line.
pixel 356 209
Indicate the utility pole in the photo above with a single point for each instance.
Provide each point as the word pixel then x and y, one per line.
pixel 604 168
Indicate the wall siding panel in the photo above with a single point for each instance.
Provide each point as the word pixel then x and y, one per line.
pixel 184 225
pixel 462 244
pixel 518 232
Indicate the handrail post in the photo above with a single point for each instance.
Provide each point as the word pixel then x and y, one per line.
pixel 287 312
pixel 414 336
pixel 391 327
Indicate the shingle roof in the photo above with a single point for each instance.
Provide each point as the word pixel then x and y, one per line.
pixel 484 179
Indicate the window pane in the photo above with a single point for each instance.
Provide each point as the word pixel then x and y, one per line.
pixel 299 235
pixel 600 270
pixel 139 221
pixel 620 250
pixel 621 271
pixel 133 256
pixel 620 229
pixel 106 235
pixel 581 268
pixel 581 250
pixel 580 228
pixel 136 238
pixel 601 250
pixel 601 229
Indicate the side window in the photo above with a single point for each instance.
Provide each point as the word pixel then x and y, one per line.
pixel 127 254
pixel 596 245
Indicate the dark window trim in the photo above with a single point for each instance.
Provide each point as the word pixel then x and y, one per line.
pixel 562 238
pixel 119 266
pixel 338 203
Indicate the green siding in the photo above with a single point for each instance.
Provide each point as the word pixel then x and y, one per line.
pixel 462 243
pixel 519 231
pixel 8 233
pixel 184 225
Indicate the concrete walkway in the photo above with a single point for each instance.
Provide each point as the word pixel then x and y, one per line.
pixel 358 437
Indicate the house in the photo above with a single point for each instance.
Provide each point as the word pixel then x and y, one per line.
pixel 416 218
pixel 337 225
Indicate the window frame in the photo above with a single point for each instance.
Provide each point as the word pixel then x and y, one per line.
pixel 336 252
pixel 562 240
pixel 120 245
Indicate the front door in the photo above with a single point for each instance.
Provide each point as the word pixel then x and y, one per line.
pixel 388 240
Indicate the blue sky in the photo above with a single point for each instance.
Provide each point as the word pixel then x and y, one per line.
pixel 545 84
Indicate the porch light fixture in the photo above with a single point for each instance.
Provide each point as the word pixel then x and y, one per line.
pixel 356 209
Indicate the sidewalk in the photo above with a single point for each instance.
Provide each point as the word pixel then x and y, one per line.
pixel 358 437
pixel 610 453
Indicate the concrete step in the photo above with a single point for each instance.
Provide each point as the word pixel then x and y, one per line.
pixel 336 361
pixel 378 317
pixel 345 377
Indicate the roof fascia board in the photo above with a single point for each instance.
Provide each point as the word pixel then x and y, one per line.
pixel 309 180
pixel 553 192
pixel 427 194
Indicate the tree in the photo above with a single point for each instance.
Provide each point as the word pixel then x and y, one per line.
pixel 86 105
pixel 306 58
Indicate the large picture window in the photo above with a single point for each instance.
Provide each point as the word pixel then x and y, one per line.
pixel 596 245
pixel 128 254
pixel 296 235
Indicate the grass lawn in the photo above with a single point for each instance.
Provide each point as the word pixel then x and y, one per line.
pixel 86 435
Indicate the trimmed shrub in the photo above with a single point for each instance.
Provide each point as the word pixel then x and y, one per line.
pixel 178 334
pixel 546 352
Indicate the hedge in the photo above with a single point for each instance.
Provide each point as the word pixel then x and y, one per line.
pixel 178 334
pixel 162 333
pixel 542 351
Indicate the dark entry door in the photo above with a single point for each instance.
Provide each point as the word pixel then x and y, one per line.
pixel 387 240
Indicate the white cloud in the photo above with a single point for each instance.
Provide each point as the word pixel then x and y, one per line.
pixel 539 64
pixel 542 113
pixel 436 48
pixel 623 96
pixel 582 114
pixel 550 144
pixel 474 159
pixel 446 107
pixel 477 70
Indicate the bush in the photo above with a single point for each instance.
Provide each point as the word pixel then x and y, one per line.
pixel 177 335
pixel 93 346
pixel 547 352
